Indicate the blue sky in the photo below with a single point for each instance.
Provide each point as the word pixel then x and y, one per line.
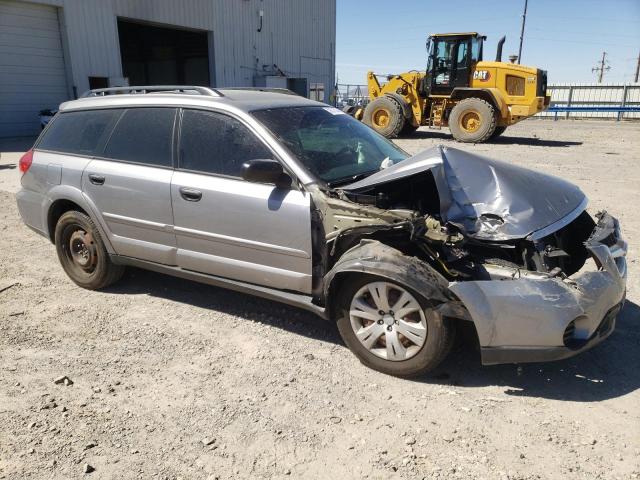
pixel 565 37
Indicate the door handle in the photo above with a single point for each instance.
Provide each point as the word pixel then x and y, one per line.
pixel 96 179
pixel 190 194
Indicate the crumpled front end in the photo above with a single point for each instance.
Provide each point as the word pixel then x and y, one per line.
pixel 526 316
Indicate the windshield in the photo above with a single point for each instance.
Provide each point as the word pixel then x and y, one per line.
pixel 332 145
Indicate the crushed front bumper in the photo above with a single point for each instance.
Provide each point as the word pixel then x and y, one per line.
pixel 530 317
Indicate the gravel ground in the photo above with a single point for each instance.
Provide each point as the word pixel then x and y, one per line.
pixel 172 379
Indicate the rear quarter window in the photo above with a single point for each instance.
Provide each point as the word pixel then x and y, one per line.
pixel 80 133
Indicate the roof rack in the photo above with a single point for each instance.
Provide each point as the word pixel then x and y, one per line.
pixel 284 91
pixel 138 90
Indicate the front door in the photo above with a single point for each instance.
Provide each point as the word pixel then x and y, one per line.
pixel 462 63
pixel 450 64
pixel 231 228
pixel 130 181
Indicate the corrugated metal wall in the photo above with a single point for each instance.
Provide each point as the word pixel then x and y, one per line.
pixel 297 35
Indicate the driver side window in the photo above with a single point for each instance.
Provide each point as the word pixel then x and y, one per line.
pixel 443 61
pixel 461 61
pixel 211 142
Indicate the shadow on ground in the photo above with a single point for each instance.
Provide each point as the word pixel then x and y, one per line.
pixel 501 140
pixel 607 371
pixel 295 320
pixel 9 166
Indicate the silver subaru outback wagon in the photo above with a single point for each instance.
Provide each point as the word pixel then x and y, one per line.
pixel 285 198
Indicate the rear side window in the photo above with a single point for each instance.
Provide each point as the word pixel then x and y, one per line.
pixel 143 135
pixel 215 143
pixel 81 133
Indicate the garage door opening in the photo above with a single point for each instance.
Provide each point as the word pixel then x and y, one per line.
pixel 154 55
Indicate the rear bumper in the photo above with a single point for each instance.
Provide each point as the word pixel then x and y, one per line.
pixel 30 207
pixel 530 317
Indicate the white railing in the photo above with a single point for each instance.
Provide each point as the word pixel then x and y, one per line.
pixel 574 100
pixel 594 100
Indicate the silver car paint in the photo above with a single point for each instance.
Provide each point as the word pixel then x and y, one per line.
pixel 534 310
pixel 488 199
pixel 135 203
pixel 262 235
pixel 259 246
pixel 135 212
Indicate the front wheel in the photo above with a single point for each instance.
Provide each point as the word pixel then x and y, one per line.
pixel 82 253
pixel 392 328
pixel 385 116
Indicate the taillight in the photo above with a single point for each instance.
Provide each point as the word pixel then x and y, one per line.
pixel 25 161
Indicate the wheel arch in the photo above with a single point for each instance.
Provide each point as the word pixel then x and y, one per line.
pixel 490 95
pixel 58 208
pixel 376 258
pixel 406 107
pixel 64 198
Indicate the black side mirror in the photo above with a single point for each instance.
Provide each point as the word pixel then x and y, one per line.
pixel 266 171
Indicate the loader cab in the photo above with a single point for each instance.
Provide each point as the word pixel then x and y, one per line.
pixel 451 60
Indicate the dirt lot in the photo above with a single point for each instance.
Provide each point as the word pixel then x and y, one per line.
pixel 174 379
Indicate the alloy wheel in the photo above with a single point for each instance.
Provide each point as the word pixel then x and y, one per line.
pixel 388 321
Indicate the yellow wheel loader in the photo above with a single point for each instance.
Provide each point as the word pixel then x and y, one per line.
pixel 477 100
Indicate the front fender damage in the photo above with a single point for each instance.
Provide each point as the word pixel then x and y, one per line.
pixel 376 258
pixel 531 316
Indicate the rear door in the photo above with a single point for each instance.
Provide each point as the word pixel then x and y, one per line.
pixel 231 228
pixel 130 184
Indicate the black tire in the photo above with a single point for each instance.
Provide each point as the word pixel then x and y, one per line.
pixel 472 120
pixel 82 253
pixel 440 336
pixel 408 129
pixel 498 131
pixel 385 115
pixel 350 110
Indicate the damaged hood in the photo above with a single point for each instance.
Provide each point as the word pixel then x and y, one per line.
pixel 485 198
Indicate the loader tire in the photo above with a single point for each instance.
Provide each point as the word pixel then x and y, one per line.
pixel 408 129
pixel 498 131
pixel 472 120
pixel 385 115
pixel 350 110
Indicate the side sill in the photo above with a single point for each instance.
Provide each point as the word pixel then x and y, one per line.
pixel 289 298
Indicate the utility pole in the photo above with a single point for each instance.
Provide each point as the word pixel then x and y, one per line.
pixel 637 68
pixel 602 67
pixel 524 19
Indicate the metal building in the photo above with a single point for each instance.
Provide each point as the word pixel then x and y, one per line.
pixel 54 50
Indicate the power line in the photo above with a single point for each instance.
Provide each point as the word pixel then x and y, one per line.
pixel 602 67
pixel 524 19
pixel 609 34
pixel 562 40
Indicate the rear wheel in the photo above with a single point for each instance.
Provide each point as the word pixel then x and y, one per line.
pixel 385 116
pixel 392 328
pixel 472 120
pixel 82 253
